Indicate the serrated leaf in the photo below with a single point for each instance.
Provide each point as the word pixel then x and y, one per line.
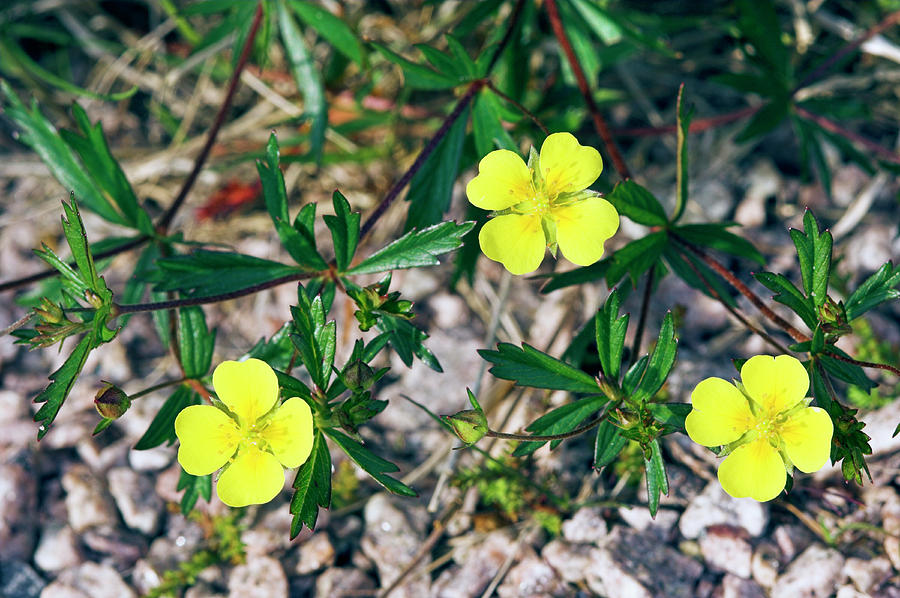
pixel 596 271
pixel 277 350
pixel 636 258
pixel 312 487
pixel 344 227
pixel 371 463
pixel 431 188
pixel 307 78
pixel 560 421
pixel 876 289
pixel 636 203
pixel 301 246
pixel 41 136
pixel 407 341
pixel 195 342
pixel 415 75
pixel 443 63
pixel 657 481
pixel 162 428
pixel 814 255
pixel 415 248
pixel 274 193
pixel 608 444
pixel 848 372
pixel 610 335
pixel 332 28
pixel 716 237
pixel 633 375
pixel 670 414
pixel 194 487
pixel 530 367
pixel 789 295
pixel 61 384
pixel 315 339
pixel 205 273
pixel 487 126
pixel 660 363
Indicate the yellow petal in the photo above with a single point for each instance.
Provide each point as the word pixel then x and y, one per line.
pixel 248 388
pixel 807 439
pixel 775 383
pixel 568 166
pixel 290 432
pixel 208 439
pixel 720 413
pixel 755 470
pixel 582 229
pixel 503 180
pixel 255 477
pixel 516 241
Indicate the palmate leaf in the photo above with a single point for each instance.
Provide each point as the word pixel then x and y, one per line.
pixel 408 341
pixel 876 289
pixel 315 339
pixel 371 463
pixel 610 334
pixel 530 367
pixel 415 248
pixel 560 421
pixel 487 125
pixel 312 487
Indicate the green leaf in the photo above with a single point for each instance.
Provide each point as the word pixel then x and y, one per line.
pixel 61 384
pixel 315 339
pixel 610 334
pixel 301 246
pixel 636 258
pixel 371 463
pixel 758 22
pixel 487 124
pixel 407 341
pixel 596 271
pixel 716 237
pixel 308 80
pixel 205 273
pixel 560 421
pixel 660 363
pixel 105 172
pixel 195 342
pixel 277 350
pixel 848 372
pixel 443 63
pixel 272 181
pixel 530 367
pixel 657 481
pixel 162 428
pixel 38 134
pixel 461 56
pixel 608 445
pixel 332 28
pixel 344 227
pixel 697 275
pixel 814 254
pixel 637 204
pixel 312 487
pixel 415 248
pixel 681 169
pixel 194 487
pixel 876 289
pixel 789 295
pixel 633 376
pixel 768 117
pixel 431 188
pixel 670 414
pixel 415 75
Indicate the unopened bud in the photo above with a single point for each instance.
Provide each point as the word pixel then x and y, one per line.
pixel 49 312
pixel 470 425
pixel 111 401
pixel 357 375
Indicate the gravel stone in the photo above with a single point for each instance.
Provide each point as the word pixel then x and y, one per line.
pixel 95 580
pixel 639 518
pixel 531 578
pixel 18 580
pixel 478 563
pixel 155 459
pixel 86 503
pixel 57 549
pixel 713 506
pixel 571 561
pixel 586 526
pixel 737 587
pixel 135 496
pixel 867 574
pixel 316 553
pixel 797 582
pixel 18 503
pixel 765 564
pixel 391 542
pixel 259 577
pixel 338 580
pixel 727 548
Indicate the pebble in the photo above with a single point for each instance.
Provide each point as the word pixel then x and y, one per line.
pixel 57 549
pixel 135 496
pixel 337 581
pixel 587 526
pixel 727 548
pixel 316 553
pixel 713 506
pixel 477 564
pixel 259 577
pixel 765 564
pixel 155 459
pixel 18 504
pixel 792 540
pixel 797 582
pixel 95 580
pixel 123 547
pixel 867 574
pixel 19 580
pixel 663 525
pixel 571 561
pixel 391 542
pixel 633 564
pixel 738 587
pixel 271 534
pixel 531 578
pixel 86 503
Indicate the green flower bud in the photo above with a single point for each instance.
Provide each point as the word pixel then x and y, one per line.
pixel 111 401
pixel 357 375
pixel 470 425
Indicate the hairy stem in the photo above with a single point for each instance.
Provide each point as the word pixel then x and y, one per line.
pixel 833 127
pixel 550 437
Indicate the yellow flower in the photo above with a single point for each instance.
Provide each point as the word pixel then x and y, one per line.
pixel 252 437
pixel 765 423
pixel 542 204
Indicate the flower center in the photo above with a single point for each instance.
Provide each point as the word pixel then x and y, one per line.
pixel 252 435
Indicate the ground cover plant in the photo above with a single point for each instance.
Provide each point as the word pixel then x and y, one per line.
pixel 511 130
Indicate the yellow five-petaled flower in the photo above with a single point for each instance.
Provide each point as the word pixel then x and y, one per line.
pixel 765 423
pixel 542 204
pixel 252 437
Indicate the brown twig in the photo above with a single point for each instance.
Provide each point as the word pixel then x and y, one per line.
pixel 742 289
pixel 550 437
pixel 833 127
pixel 518 107
pixel 599 122
pixel 698 125
pixel 642 315
pixel 866 364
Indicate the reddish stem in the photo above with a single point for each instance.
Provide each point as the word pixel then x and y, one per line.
pixel 599 123
pixel 835 128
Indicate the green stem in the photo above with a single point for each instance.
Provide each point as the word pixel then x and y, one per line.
pixel 550 437
pixel 518 107
pixel 147 391
pixel 642 318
